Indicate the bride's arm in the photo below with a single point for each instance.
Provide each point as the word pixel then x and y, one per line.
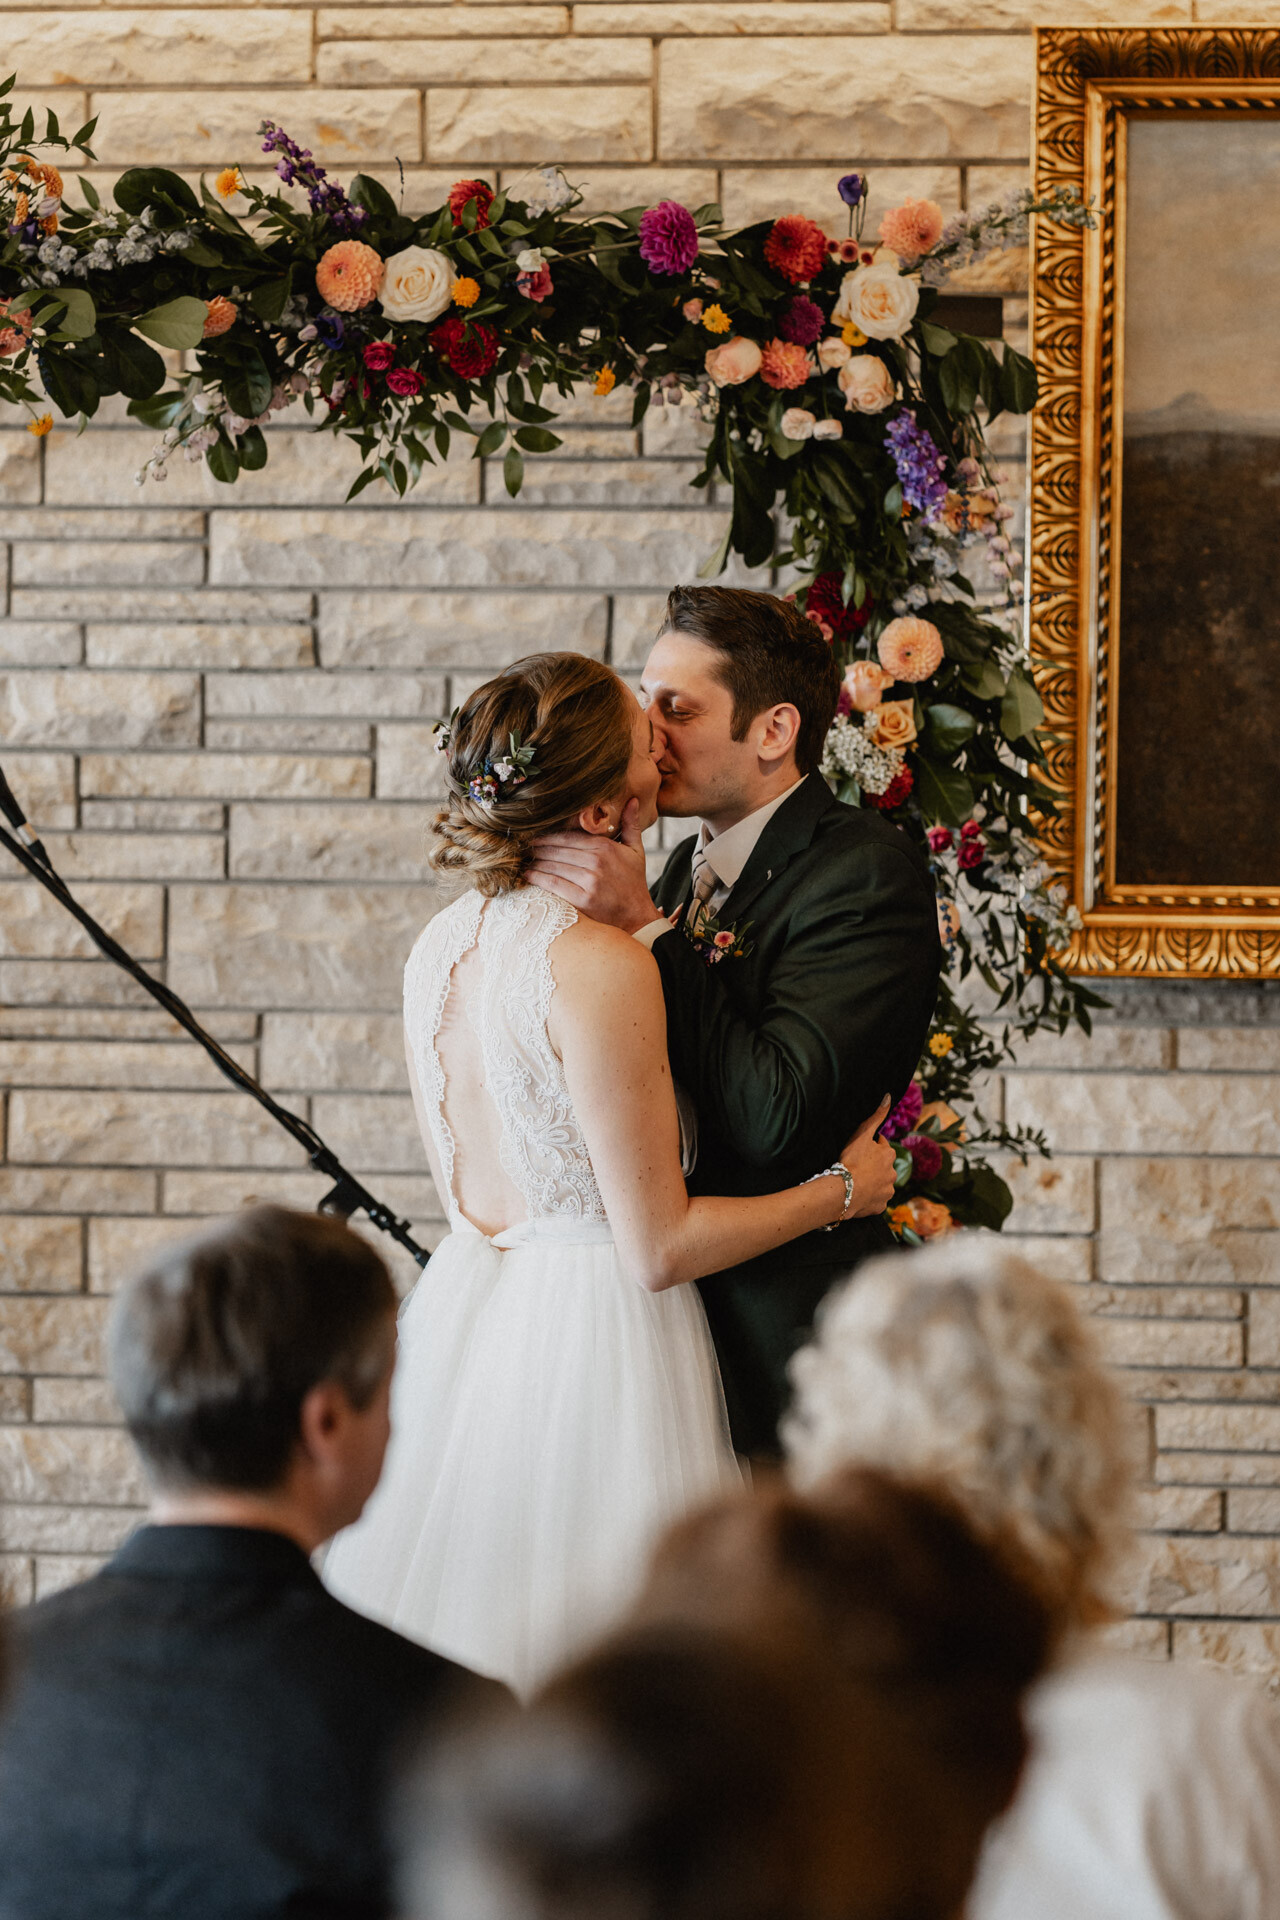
pixel 608 1023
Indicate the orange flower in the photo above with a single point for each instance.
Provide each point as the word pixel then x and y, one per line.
pixel 913 228
pixel 21 209
pixel 606 381
pixel 229 181
pixel 900 1217
pixel 14 336
pixel 910 648
pixel 796 248
pixel 48 176
pixel 465 292
pixel 220 315
pixel 785 364
pixel 716 320
pixel 349 275
pixel 40 426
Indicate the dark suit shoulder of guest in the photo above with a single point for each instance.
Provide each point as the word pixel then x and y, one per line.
pixel 201 1730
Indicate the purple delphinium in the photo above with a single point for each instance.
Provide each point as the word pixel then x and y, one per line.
pixel 904 1116
pixel 926 1156
pixel 668 238
pixel 296 164
pixel 852 188
pixel 802 321
pixel 920 464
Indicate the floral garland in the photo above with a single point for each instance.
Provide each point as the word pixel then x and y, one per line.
pixel 847 422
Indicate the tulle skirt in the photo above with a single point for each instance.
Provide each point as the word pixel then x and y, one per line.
pixel 549 1419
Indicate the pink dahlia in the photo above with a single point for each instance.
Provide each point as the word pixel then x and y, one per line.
pixel 783 364
pixel 349 275
pixel 903 1117
pixel 912 229
pixel 926 1156
pixel 910 648
pixel 668 238
pixel 802 321
pixel 796 248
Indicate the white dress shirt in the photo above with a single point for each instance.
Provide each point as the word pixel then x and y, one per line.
pixel 1152 1793
pixel 726 854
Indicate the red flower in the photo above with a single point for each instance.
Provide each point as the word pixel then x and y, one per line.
pixel 468 347
pixel 970 830
pixel 465 192
pixel 378 355
pixel 825 602
pixel 796 248
pixel 895 793
pixel 940 838
pixel 406 381
pixel 972 854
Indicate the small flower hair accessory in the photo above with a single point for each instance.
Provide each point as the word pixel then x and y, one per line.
pixel 443 731
pixel 506 773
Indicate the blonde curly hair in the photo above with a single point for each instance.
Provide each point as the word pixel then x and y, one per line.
pixel 962 1366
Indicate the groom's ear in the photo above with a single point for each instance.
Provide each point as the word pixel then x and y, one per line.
pixel 776 731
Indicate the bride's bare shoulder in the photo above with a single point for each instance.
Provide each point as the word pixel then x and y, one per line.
pixel 588 956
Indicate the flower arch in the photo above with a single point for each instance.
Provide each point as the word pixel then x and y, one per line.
pixel 848 423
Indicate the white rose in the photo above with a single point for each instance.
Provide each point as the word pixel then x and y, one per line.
pixel 866 383
pixel 827 430
pixel 798 423
pixel 532 260
pixel 417 285
pixel 878 300
pixel 833 352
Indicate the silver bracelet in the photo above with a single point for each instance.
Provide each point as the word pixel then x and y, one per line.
pixel 843 1172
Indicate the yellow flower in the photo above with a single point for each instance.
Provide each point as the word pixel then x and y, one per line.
pixel 606 381
pixel 716 320
pixel 41 426
pixel 940 1045
pixel 853 336
pixel 229 181
pixel 465 292
pixel 900 1217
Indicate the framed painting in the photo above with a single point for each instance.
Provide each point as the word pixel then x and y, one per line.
pixel 1154 535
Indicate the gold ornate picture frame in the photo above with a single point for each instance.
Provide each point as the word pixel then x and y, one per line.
pixel 1161 891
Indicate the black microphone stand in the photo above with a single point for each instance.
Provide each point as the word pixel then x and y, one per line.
pixel 347 1195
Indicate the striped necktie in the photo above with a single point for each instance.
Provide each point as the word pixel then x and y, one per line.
pixel 704 885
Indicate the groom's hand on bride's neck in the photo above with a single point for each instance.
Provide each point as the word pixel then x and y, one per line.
pixel 603 878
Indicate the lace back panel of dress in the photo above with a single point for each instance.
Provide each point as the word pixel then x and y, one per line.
pixel 499 1000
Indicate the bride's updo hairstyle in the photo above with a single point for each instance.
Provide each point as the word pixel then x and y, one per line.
pixel 574 714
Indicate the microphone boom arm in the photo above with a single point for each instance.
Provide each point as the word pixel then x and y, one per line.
pixel 348 1195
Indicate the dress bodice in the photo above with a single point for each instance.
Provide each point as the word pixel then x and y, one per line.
pixel 504 994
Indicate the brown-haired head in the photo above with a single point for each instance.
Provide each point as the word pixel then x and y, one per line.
pixel 934 1629
pixel 576 716
pixel 768 655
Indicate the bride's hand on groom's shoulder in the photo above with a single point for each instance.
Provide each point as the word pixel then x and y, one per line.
pixel 603 878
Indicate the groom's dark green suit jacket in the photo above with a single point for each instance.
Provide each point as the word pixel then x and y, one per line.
pixel 786 1050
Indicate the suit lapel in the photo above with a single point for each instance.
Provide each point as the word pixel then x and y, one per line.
pixel 788 833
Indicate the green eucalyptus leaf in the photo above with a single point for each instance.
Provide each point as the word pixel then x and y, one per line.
pixel 223 461
pixel 177 323
pixel 947 728
pixel 513 471
pixel 537 439
pixel 943 794
pixel 1021 710
pixel 140 187
pixel 361 481
pixel 90 193
pixel 492 438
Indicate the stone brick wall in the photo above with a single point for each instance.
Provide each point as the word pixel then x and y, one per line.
pixel 217 704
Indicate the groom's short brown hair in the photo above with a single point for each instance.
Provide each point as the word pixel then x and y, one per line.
pixel 770 655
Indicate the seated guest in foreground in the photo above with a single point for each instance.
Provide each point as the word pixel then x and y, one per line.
pixel 1153 1792
pixel 933 1640
pixel 674 1774
pixel 201 1731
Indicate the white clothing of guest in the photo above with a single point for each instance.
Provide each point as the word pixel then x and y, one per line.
pixel 1152 1793
pixel 549 1417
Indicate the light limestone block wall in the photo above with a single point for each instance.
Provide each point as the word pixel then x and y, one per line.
pixel 217 704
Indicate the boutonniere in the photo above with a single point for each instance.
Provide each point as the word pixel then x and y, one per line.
pixel 713 943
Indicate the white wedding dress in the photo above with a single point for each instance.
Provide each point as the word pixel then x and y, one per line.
pixel 549 1416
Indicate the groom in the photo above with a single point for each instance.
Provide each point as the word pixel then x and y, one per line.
pixel 798 945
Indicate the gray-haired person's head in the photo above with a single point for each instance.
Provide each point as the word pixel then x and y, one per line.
pixel 962 1365
pixel 216 1342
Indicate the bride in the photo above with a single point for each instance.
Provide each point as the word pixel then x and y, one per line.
pixel 556 1401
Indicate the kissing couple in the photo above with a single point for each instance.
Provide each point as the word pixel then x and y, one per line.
pixel 621 1096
